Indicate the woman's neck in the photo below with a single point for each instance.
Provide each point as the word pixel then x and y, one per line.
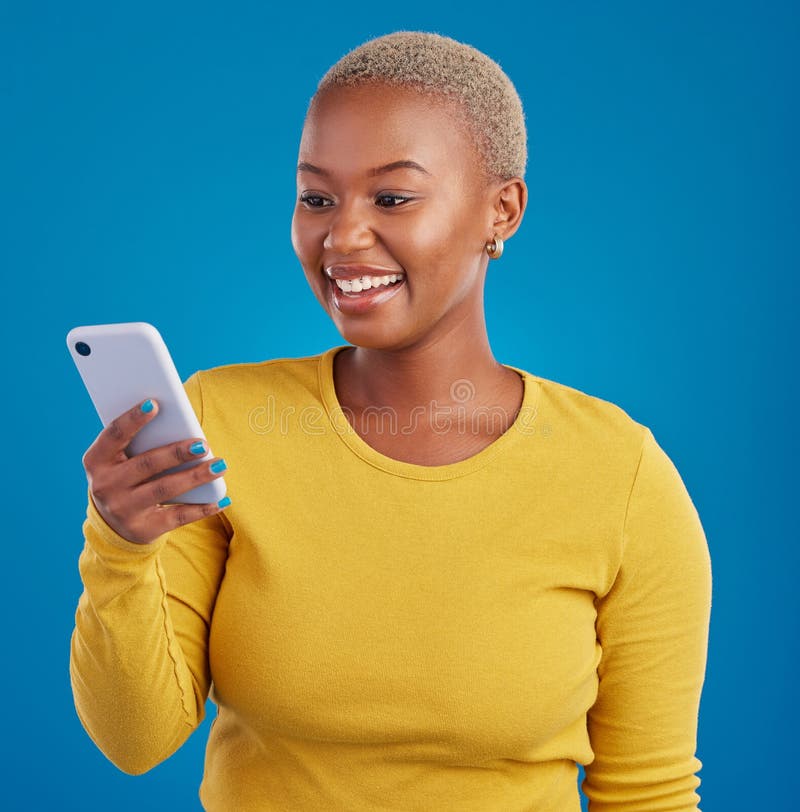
pixel 430 381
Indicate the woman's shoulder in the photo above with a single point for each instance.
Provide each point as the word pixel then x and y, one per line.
pixel 266 366
pixel 289 379
pixel 593 419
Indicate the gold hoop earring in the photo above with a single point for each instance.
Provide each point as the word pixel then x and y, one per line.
pixel 495 248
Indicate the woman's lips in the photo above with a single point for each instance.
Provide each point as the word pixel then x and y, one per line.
pixel 366 300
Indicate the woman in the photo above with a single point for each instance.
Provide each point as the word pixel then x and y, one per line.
pixel 443 581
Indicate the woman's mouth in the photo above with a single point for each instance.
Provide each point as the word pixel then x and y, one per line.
pixel 364 283
pixel 363 293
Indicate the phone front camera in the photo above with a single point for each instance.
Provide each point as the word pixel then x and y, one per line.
pixel 82 348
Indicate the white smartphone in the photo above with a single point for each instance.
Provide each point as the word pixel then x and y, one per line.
pixel 126 363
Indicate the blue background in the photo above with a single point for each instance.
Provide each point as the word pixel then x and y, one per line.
pixel 147 173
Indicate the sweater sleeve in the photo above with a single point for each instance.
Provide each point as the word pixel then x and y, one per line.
pixel 652 627
pixel 139 649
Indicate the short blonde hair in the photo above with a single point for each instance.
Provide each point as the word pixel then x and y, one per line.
pixel 441 66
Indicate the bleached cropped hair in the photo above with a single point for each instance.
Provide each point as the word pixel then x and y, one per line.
pixel 439 65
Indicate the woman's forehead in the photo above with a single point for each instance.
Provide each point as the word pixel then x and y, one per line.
pixel 369 127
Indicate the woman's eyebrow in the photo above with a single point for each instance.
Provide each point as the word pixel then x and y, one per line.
pixel 304 166
pixel 406 164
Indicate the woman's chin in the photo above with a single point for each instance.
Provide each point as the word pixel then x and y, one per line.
pixel 375 334
pixel 373 337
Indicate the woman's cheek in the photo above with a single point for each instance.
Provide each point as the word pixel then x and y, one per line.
pixel 304 237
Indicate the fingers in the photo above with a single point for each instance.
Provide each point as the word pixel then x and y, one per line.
pixel 166 487
pixel 112 441
pixel 144 527
pixel 147 526
pixel 143 467
pixel 129 491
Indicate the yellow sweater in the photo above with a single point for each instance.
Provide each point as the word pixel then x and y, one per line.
pixel 389 636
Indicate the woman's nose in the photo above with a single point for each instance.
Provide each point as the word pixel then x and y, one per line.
pixel 349 231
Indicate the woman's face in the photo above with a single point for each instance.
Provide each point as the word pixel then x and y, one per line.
pixel 359 213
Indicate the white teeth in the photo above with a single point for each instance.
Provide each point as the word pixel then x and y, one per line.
pixel 366 282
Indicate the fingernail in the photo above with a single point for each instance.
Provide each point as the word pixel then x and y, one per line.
pixel 224 502
pixel 197 448
pixel 147 406
pixel 218 466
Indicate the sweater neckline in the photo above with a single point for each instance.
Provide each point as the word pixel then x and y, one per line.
pixel 523 425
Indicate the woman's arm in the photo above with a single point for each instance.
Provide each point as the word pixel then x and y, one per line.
pixel 139 650
pixel 653 628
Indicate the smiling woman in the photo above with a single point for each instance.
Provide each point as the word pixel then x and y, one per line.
pixel 389 184
pixel 455 583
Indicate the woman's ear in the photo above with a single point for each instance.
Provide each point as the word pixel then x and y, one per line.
pixel 509 200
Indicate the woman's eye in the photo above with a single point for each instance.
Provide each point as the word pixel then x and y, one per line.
pixel 392 204
pixel 314 201
pixel 384 201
